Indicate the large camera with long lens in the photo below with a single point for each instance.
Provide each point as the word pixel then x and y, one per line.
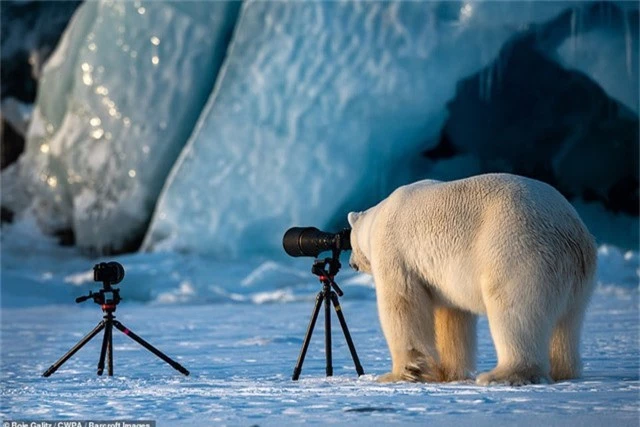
pixel 108 272
pixel 309 241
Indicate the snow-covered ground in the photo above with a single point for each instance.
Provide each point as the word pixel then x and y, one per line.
pixel 238 328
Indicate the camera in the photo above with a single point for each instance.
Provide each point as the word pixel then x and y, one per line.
pixel 108 272
pixel 309 241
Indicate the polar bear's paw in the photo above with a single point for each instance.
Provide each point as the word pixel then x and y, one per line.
pixel 422 369
pixel 411 375
pixel 455 375
pixel 513 377
pixel 389 377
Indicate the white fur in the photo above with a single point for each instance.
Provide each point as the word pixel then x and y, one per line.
pixel 500 245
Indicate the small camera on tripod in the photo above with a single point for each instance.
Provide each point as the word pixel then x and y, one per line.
pixel 110 273
pixel 108 298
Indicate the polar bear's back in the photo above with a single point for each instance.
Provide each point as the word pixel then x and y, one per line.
pixel 495 225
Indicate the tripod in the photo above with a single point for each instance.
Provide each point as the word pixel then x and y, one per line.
pixel 328 296
pixel 108 307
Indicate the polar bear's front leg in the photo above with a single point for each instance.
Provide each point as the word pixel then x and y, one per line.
pixel 456 342
pixel 406 317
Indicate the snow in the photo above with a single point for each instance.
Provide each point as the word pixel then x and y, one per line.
pixel 238 327
pixel 241 358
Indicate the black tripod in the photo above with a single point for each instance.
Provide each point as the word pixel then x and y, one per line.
pixel 108 307
pixel 327 295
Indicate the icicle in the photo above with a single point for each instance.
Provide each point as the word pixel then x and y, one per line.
pixel 481 85
pixel 489 81
pixel 499 67
pixel 628 42
pixel 574 38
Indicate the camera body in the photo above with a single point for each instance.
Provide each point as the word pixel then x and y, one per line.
pixel 110 273
pixel 309 241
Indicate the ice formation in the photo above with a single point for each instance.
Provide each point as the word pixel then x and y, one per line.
pixel 117 101
pixel 616 33
pixel 528 114
pixel 321 108
pixel 29 31
pixel 318 108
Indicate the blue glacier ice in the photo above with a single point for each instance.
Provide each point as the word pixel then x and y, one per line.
pixel 557 104
pixel 323 107
pixel 617 70
pixel 292 113
pixel 116 103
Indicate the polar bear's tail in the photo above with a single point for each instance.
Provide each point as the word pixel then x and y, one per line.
pixel 565 342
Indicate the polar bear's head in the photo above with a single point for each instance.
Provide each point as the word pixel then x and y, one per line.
pixel 359 260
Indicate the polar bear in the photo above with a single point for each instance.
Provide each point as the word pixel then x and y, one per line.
pixel 499 245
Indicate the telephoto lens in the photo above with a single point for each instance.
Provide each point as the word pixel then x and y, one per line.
pixel 309 241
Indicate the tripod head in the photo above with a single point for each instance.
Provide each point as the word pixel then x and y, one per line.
pixel 319 268
pixel 107 302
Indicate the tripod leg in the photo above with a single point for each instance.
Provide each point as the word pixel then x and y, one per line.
pixel 74 349
pixel 151 348
pixel 347 335
pixel 109 330
pixel 307 338
pixel 327 333
pixel 103 350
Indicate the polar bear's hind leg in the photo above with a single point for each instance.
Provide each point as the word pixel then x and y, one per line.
pixel 564 348
pixel 521 329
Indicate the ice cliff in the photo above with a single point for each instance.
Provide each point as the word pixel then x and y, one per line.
pixel 230 122
pixel 116 103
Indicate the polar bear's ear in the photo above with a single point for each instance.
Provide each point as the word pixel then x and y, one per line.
pixel 353 217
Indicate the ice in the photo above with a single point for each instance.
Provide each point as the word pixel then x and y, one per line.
pixel 116 103
pixel 29 32
pixel 17 114
pixel 322 107
pixel 528 114
pixel 319 108
pixel 611 30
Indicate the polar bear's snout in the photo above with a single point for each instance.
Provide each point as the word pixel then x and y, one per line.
pixel 358 260
pixel 359 263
